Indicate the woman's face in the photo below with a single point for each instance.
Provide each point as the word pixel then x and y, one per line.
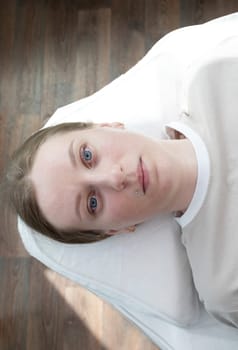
pixel 101 179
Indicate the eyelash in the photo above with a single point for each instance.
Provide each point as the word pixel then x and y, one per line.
pixel 92 211
pixel 89 164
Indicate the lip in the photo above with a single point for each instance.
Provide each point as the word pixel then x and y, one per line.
pixel 143 175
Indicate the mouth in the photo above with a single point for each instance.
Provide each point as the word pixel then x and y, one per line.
pixel 143 176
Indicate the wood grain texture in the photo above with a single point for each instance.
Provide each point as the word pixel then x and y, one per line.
pixel 53 52
pixel 127 32
pixel 167 19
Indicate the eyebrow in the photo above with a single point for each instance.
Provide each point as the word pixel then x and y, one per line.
pixel 77 206
pixel 73 162
pixel 71 154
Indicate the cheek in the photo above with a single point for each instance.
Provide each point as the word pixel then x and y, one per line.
pixel 114 150
pixel 116 205
pixel 122 209
pixel 111 153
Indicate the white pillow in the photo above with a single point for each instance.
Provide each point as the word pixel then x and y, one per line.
pixel 146 274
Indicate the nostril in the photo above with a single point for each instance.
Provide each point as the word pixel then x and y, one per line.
pixel 123 185
pixel 118 177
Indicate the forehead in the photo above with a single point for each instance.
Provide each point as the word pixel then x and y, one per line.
pixel 52 173
pixel 48 172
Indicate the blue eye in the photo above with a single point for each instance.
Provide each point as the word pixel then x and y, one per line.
pixel 87 154
pixel 92 203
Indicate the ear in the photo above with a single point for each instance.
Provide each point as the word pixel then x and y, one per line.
pixel 117 125
pixel 128 229
pixel 174 134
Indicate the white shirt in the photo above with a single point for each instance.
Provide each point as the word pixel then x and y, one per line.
pixel 203 163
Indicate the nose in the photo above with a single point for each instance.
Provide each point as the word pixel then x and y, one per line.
pixel 114 178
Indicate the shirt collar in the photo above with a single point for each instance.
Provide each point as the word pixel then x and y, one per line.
pixel 203 163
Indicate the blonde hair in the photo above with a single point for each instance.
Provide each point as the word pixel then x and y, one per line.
pixel 21 193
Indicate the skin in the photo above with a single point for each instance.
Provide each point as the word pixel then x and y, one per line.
pixel 91 179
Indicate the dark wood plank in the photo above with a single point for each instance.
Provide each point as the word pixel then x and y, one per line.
pixel 162 17
pixel 127 35
pixel 92 51
pixel 53 321
pixel 14 303
pixel 197 11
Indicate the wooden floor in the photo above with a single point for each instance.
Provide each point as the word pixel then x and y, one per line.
pixel 53 52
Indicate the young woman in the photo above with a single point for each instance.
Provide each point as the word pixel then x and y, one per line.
pixel 82 183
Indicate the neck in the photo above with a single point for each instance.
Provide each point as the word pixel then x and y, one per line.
pixel 184 172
